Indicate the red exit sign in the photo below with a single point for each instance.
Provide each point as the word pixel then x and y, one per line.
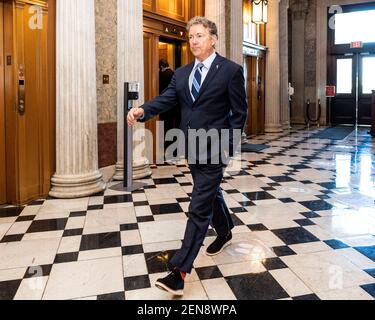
pixel 330 91
pixel 356 45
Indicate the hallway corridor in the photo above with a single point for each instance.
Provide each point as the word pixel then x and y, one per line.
pixel 304 218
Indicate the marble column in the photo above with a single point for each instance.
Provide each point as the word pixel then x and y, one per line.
pixel 130 69
pixel 77 173
pixel 215 11
pixel 230 27
pixel 272 112
pixel 284 97
pixel 299 10
pixel 235 43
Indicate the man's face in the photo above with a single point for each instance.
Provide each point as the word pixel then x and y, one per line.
pixel 201 42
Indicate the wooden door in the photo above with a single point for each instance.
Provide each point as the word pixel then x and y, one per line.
pixel 254 72
pixel 28 131
pixel 2 110
pixel 151 59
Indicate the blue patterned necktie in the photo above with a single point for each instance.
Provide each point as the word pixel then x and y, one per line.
pixel 197 81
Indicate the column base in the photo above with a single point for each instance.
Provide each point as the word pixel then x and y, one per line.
pixel 76 186
pixel 141 169
pixel 273 128
pixel 286 125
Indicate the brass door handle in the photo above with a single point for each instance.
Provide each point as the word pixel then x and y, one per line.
pixel 21 90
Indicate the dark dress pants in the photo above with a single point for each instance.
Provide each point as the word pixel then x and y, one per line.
pixel 207 206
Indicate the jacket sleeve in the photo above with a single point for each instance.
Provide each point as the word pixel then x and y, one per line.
pixel 164 102
pixel 237 97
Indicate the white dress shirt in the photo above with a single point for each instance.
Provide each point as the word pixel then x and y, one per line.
pixel 207 65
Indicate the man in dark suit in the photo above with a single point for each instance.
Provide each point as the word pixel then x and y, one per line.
pixel 211 95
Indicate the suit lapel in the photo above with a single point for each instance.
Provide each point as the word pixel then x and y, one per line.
pixel 215 67
pixel 189 69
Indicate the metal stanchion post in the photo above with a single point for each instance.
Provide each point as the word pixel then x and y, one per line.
pixel 131 93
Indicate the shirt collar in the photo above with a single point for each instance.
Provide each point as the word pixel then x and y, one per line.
pixel 207 63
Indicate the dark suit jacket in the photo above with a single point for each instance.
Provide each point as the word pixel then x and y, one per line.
pixel 221 103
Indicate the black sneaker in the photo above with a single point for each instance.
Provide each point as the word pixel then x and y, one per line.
pixel 219 244
pixel 172 283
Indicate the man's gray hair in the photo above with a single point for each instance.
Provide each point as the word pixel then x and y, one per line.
pixel 211 26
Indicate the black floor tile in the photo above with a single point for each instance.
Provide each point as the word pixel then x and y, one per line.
pixel 257 227
pixel 310 215
pixel 118 199
pixel 130 226
pixel 304 222
pixel 369 252
pixel 141 203
pixel 208 273
pixel 336 244
pixel 132 250
pixel 179 200
pixel 370 289
pixel 317 205
pixel 66 257
pixel 371 272
pixel 72 232
pixel 254 196
pixel 158 261
pixel 135 283
pixel 95 207
pixel 236 220
pixel 38 271
pixel 47 225
pixel 112 296
pixel 165 181
pixel 12 238
pixel 25 218
pixel 295 235
pixel 36 203
pixel 247 203
pixel 286 200
pixel 8 289
pixel 274 264
pixel 308 297
pixel 166 208
pixel 10 212
pixel 238 210
pixel 145 219
pixel 283 251
pixel 282 179
pixel 78 214
pixel 261 286
pixel 100 241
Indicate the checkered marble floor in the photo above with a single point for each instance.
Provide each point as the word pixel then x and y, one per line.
pixel 304 219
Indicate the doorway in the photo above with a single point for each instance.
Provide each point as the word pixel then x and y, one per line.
pixel 254 82
pixel 175 52
pixel 351 64
pixel 354 81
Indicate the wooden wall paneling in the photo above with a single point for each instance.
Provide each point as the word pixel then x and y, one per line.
pixel 175 9
pixel 148 5
pixel 2 112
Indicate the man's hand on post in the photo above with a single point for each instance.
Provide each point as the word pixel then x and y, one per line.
pixel 134 114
